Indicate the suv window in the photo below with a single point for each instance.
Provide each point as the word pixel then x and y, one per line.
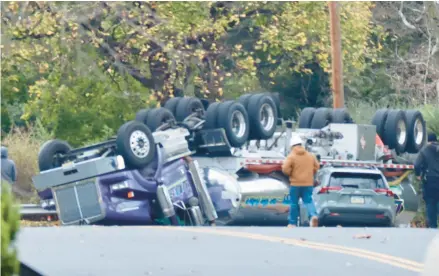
pixel 357 180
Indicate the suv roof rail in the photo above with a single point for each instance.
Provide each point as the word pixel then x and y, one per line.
pixel 329 165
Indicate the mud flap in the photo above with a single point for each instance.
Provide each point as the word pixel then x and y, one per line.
pixel 206 203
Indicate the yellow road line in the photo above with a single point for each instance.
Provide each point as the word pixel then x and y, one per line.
pixel 361 253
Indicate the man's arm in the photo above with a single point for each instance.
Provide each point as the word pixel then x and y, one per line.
pixel 419 163
pixel 287 166
pixel 316 165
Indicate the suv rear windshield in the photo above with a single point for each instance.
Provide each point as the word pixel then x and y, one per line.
pixel 357 180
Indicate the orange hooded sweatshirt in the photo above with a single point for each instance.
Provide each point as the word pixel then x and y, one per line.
pixel 300 166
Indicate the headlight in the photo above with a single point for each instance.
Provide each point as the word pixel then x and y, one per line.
pixel 47 203
pixel 119 186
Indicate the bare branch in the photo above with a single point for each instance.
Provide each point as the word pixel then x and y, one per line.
pixel 404 19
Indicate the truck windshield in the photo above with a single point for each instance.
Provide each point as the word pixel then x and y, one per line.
pixel 357 180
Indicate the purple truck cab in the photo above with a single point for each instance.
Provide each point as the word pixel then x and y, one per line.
pixel 130 197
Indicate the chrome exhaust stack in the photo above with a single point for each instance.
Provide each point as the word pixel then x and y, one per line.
pixel 195 212
pixel 206 203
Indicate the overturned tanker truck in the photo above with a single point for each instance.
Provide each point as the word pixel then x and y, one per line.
pixel 191 162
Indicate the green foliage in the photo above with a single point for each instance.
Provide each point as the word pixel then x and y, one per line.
pixel 10 226
pixel 83 69
pixel 431 115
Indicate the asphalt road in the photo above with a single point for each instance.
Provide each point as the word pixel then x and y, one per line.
pixel 175 251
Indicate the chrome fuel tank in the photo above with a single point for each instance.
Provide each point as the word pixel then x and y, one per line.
pixel 264 200
pixel 250 199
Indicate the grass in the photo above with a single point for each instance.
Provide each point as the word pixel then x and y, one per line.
pixel 23 147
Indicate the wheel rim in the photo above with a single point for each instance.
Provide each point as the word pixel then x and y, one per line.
pixel 419 132
pixel 267 117
pixel 139 144
pixel 238 124
pixel 401 132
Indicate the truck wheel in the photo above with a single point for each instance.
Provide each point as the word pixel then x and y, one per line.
pixel 322 117
pixel 205 103
pixel 341 116
pixel 379 120
pixel 416 131
pixel 158 116
pixel 186 106
pixel 211 116
pixel 142 116
pixel 136 144
pixel 395 130
pixel 172 103
pixel 233 118
pixel 244 99
pixel 275 97
pixel 47 156
pixel 306 116
pixel 262 113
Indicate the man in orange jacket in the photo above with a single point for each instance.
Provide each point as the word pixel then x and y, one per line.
pixel 301 166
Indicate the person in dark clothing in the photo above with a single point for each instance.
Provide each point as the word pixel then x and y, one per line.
pixel 9 172
pixel 427 170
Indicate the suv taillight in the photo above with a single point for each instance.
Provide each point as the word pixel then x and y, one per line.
pixel 325 190
pixel 386 192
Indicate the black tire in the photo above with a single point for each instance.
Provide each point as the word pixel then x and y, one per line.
pixel 186 106
pixel 158 116
pixel 255 105
pixel 416 131
pixel 244 99
pixel 172 103
pixel 306 116
pixel 379 120
pixel 276 98
pixel 142 115
pixel 47 155
pixel 124 148
pixel 228 112
pixel 394 118
pixel 205 103
pixel 341 116
pixel 211 116
pixel 322 117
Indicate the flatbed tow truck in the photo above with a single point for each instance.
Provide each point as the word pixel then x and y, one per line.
pixel 227 158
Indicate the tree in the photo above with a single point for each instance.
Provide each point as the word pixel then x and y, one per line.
pixel 10 225
pixel 412 49
pixel 83 69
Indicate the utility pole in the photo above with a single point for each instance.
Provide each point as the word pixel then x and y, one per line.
pixel 336 57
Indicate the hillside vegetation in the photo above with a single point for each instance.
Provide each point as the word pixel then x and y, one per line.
pixel 78 70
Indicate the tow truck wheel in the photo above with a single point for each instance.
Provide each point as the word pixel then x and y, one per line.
pixel 211 116
pixel 157 117
pixel 136 144
pixel 395 130
pixel 341 116
pixel 142 115
pixel 379 120
pixel 262 114
pixel 306 116
pixel 322 117
pixel 416 131
pixel 233 118
pixel 186 106
pixel 48 154
pixel 172 103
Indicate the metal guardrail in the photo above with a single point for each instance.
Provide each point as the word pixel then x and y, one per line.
pixel 36 212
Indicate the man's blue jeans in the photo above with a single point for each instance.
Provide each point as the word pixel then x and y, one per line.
pixel 306 194
pixel 432 211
